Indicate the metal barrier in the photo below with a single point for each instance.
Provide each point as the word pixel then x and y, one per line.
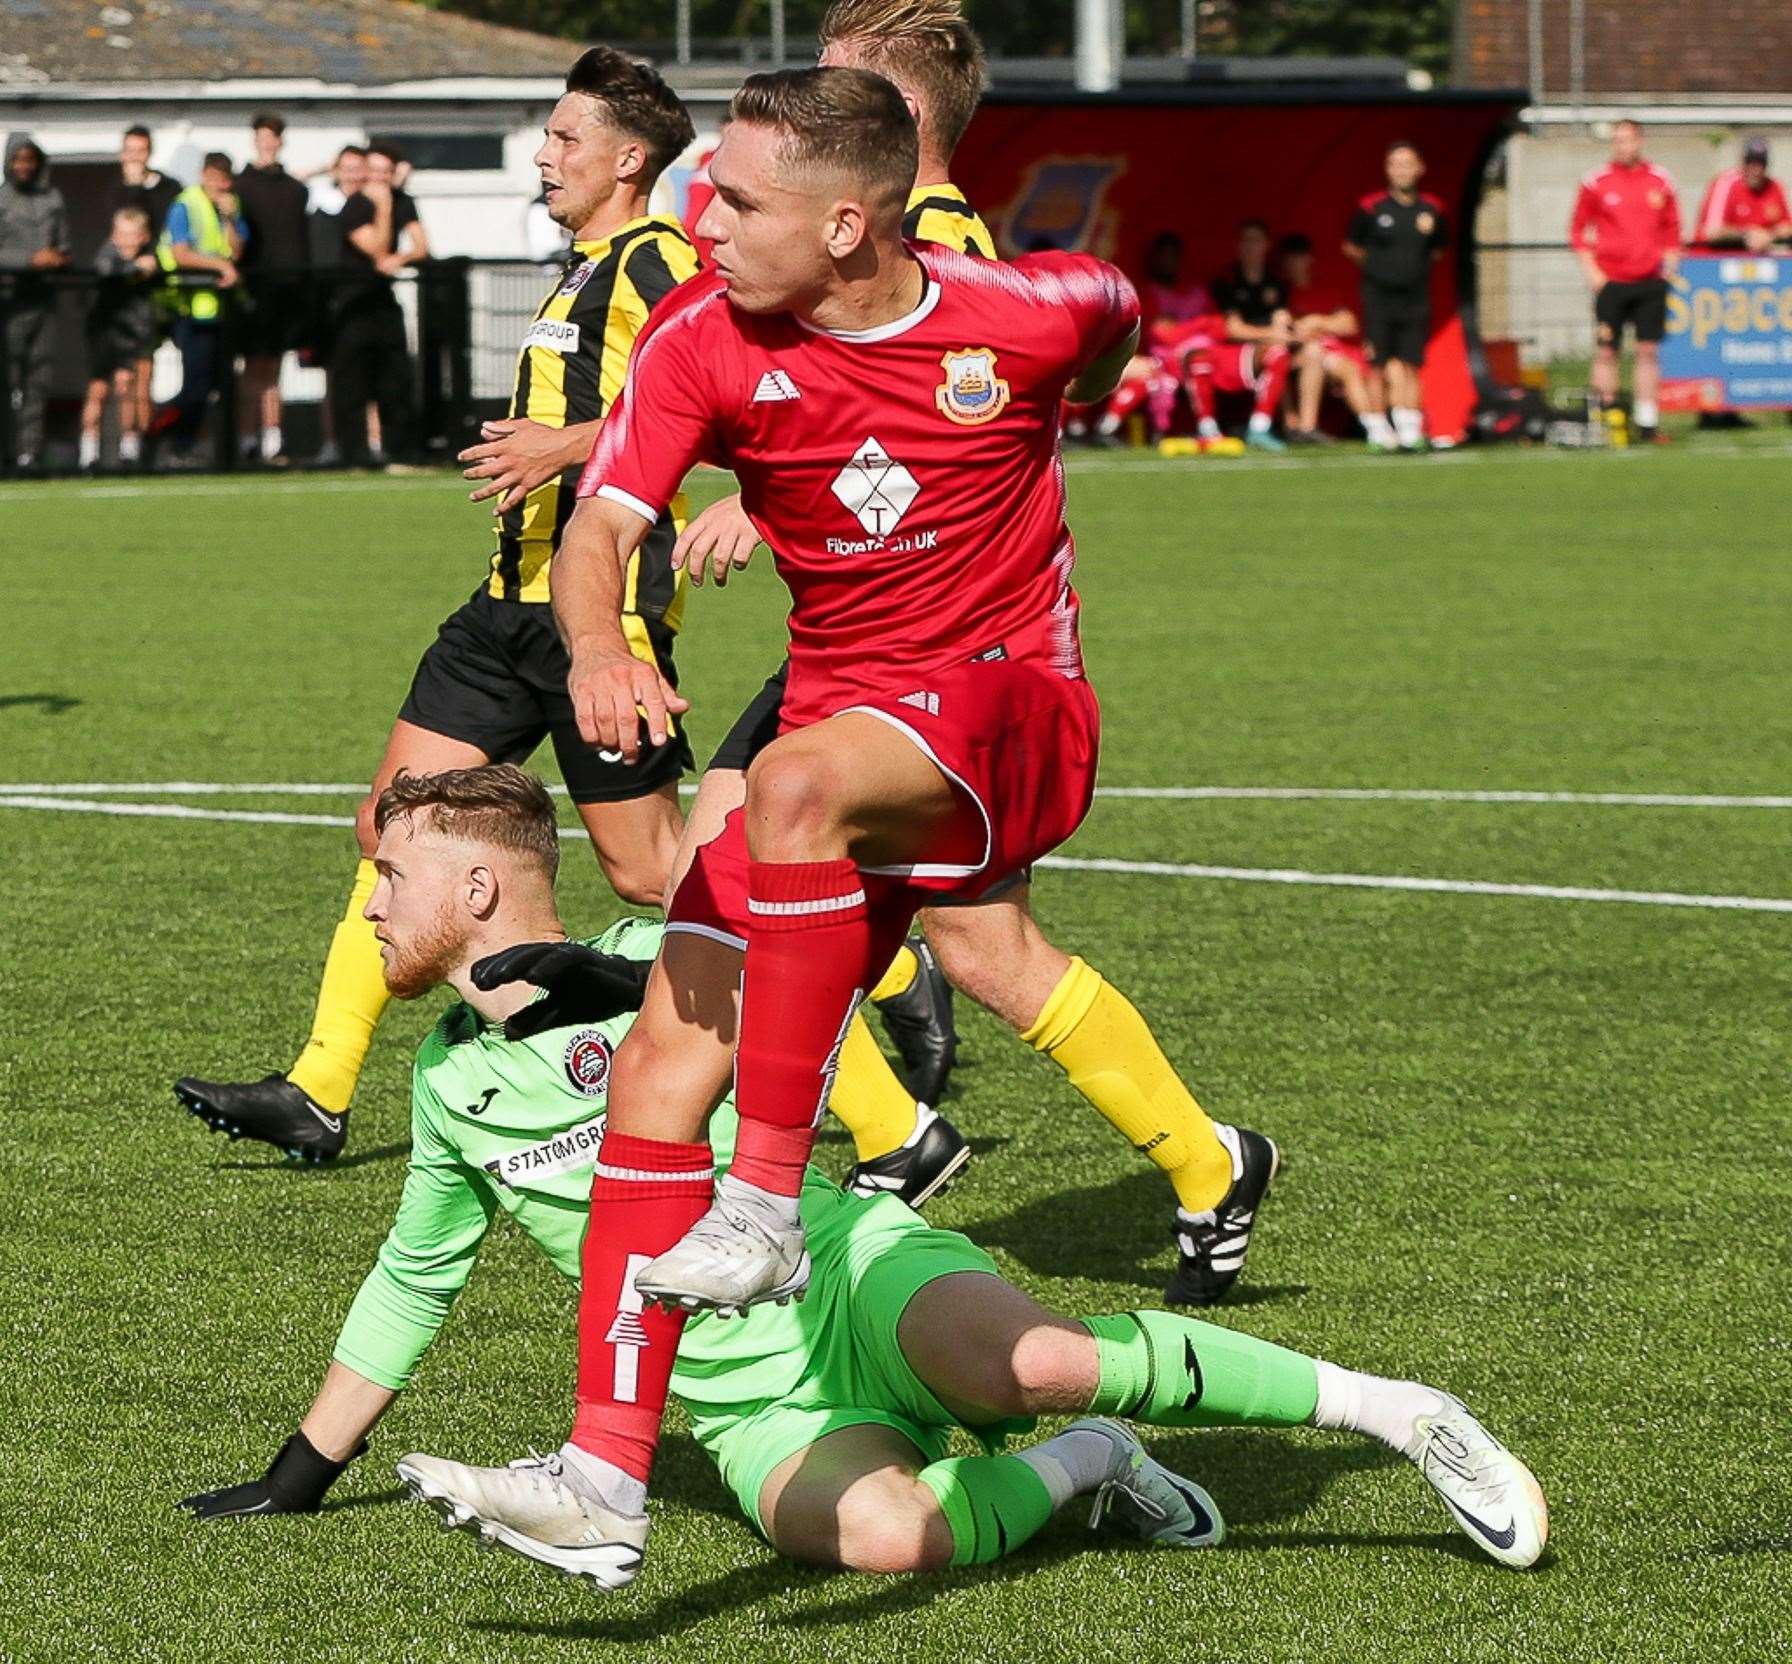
pixel 1535 295
pixel 464 322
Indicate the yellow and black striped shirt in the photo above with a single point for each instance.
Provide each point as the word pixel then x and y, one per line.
pixel 939 214
pixel 571 370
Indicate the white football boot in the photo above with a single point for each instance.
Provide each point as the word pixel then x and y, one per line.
pixel 1146 1497
pixel 530 1509
pixel 1494 1497
pixel 734 1257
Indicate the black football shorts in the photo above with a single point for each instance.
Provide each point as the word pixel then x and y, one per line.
pixel 495 677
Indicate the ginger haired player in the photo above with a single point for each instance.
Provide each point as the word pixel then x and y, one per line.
pixel 829 1423
pixel 993 947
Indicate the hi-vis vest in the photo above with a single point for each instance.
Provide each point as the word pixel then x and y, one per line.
pixel 209 238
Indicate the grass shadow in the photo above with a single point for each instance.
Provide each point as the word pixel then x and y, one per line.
pixel 277 1162
pixel 372 1499
pixel 678 1611
pixel 1133 1244
pixel 48 704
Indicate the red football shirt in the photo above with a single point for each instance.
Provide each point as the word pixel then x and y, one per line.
pixel 1630 219
pixel 906 477
pixel 1729 202
pixel 1317 301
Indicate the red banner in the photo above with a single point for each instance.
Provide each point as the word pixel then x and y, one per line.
pixel 1107 176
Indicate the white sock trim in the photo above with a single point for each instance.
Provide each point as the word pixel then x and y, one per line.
pixel 615 1488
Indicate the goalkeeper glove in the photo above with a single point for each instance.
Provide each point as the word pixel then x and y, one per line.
pixel 582 985
pixel 295 1483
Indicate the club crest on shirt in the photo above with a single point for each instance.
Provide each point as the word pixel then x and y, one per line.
pixel 578 277
pixel 972 392
pixel 1426 224
pixel 588 1062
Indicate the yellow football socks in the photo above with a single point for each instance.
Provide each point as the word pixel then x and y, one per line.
pixel 1096 1036
pixel 900 977
pixel 868 1099
pixel 350 1001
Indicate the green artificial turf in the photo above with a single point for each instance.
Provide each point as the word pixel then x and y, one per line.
pixel 1537 1148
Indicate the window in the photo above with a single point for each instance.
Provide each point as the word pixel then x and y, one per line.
pixel 458 152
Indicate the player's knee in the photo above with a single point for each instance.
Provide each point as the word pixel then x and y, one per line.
pixel 366 833
pixel 793 801
pixel 1050 1371
pixel 1648 351
pixel 638 878
pixel 890 1524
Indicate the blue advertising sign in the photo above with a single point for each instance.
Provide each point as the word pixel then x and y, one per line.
pixel 1729 340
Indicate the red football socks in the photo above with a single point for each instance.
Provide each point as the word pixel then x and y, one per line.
pixel 645 1194
pixel 809 952
pixel 1273 365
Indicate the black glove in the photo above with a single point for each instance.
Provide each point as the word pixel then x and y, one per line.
pixel 295 1483
pixel 583 985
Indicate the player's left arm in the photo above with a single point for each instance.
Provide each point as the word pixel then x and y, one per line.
pixel 1103 311
pixel 1101 375
pixel 422 1266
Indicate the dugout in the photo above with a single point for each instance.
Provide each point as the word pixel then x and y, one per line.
pixel 1105 172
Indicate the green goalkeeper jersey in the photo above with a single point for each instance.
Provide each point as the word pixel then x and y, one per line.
pixel 513 1126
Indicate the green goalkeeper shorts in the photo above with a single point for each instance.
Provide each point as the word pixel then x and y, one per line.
pixel 843 1365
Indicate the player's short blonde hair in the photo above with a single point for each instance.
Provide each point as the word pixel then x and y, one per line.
pixel 850 120
pixel 498 804
pixel 925 47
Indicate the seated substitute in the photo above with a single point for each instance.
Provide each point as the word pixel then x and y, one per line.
pixel 1328 354
pixel 829 1421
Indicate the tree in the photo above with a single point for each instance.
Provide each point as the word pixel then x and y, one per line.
pixel 1417 31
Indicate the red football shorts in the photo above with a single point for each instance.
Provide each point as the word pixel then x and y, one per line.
pixel 1234 367
pixel 1335 346
pixel 1019 744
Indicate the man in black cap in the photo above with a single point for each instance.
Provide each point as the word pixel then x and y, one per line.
pixel 1745 206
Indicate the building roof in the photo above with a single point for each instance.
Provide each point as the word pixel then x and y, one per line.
pixel 358 42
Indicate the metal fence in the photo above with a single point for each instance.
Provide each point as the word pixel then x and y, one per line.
pixel 1535 296
pixel 464 321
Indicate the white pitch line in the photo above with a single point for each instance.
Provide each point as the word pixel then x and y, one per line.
pixel 1342 794
pixel 57 492
pixel 1448 886
pixel 170 811
pixel 1379 794
pixel 1067 863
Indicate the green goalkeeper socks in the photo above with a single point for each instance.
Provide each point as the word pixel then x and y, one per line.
pixel 1179 1372
pixel 992 1504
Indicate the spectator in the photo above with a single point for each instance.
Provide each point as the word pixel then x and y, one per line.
pixel 33 241
pixel 1396 235
pixel 138 185
pixel 274 284
pixel 331 188
pixel 1166 294
pixel 1250 294
pixel 203 236
pixel 1745 206
pixel 120 330
pixel 1147 388
pixel 1626 230
pixel 381 235
pixel 1327 352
